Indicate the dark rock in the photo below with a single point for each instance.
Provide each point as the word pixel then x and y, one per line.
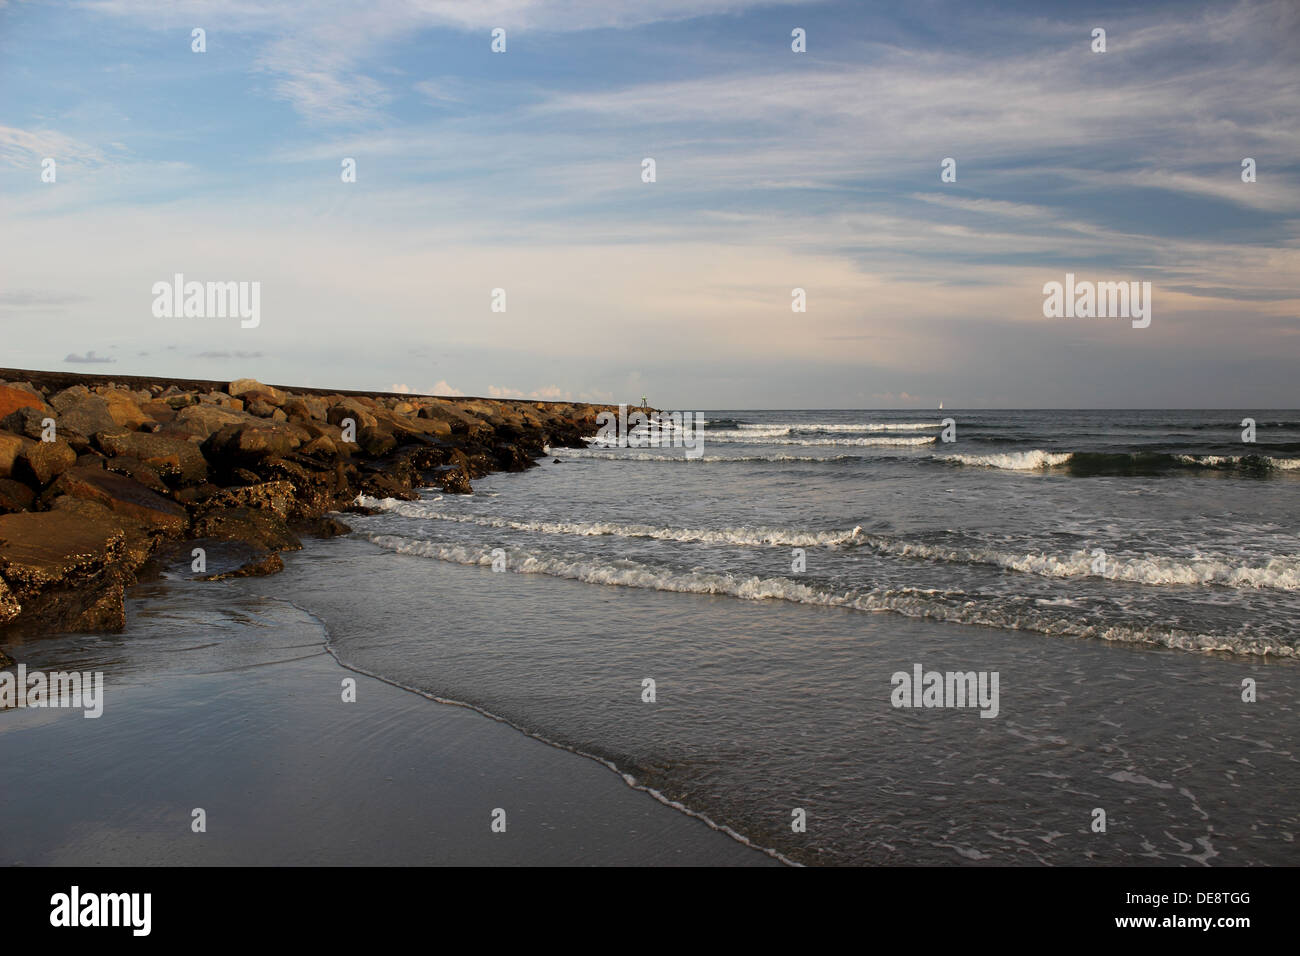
pixel 202 421
pixel 41 462
pixel 267 563
pixel 262 529
pixel 81 418
pixel 10 446
pixel 241 444
pixel 141 471
pixel 124 496
pixel 375 441
pixel 29 422
pixel 174 459
pixel 326 526
pixel 68 570
pixel 451 479
pixel 276 496
pixel 15 496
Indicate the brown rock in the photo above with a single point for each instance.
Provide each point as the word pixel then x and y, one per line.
pixel 245 443
pixel 322 447
pixel 259 528
pixel 376 441
pixel 15 496
pixel 13 398
pixel 67 568
pixel 305 407
pixel 140 471
pixel 202 421
pixel 124 496
pixel 81 417
pixel 124 411
pixel 9 609
pixel 351 408
pixel 266 393
pixel 270 563
pixel 221 399
pixel 158 411
pixel 277 496
pixel 27 421
pixel 42 461
pixel 174 459
pixel 10 446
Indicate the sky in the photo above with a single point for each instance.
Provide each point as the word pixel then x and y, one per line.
pixel 774 170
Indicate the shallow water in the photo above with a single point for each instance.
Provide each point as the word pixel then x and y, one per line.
pixel 773 686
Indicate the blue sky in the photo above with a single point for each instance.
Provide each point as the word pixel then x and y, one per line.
pixel 775 170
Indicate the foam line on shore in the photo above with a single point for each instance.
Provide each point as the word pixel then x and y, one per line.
pixel 1278 572
pixel 920 603
pixel 627 778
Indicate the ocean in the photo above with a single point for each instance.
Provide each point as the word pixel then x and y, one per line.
pixel 1131 577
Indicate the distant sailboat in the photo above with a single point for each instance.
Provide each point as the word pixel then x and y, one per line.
pixel 941 406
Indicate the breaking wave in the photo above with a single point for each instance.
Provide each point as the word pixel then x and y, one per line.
pixel 927 603
pixel 1275 572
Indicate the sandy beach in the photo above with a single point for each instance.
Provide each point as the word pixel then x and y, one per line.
pixel 243 717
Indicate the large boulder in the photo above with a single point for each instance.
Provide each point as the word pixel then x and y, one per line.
pixel 202 421
pixel 305 408
pixel 27 421
pixel 15 496
pixel 67 568
pixel 242 444
pixel 260 528
pixel 62 401
pixel 362 415
pixel 80 417
pixel 14 397
pixel 41 462
pixel 124 496
pixel 10 446
pixel 276 496
pixel 175 459
pixel 124 410
pixel 250 389
pixel 144 473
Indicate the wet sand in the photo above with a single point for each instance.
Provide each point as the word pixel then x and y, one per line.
pixel 227 702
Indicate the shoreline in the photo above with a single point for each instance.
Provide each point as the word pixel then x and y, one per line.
pixel 106 481
pixel 412 781
pixel 626 778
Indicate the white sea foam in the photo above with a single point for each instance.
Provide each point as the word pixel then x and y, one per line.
pixel 1275 572
pixel 1012 461
pixel 785 428
pixel 602 455
pixel 755 438
pixel 911 602
pixel 1233 461
pixel 588 529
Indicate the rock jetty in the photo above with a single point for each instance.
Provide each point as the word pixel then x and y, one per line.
pixel 104 482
